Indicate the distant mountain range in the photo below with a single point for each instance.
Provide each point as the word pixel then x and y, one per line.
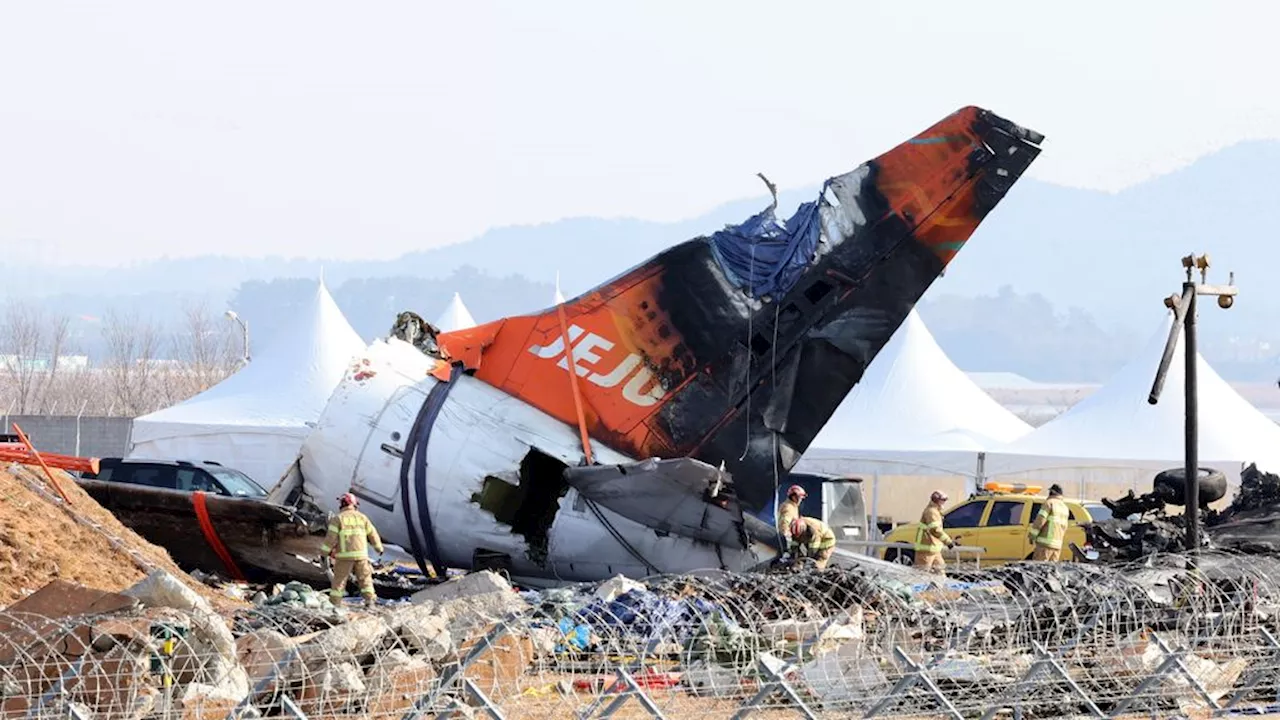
pixel 1113 257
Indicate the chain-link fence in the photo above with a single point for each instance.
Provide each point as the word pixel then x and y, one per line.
pixel 1039 640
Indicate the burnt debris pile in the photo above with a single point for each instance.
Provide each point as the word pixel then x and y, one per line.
pixel 1141 525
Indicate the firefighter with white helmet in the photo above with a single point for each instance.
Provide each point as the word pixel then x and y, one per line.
pixel 930 537
pixel 347 547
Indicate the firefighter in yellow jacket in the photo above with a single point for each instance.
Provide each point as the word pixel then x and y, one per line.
pixel 931 538
pixel 347 546
pixel 815 538
pixel 1050 527
pixel 790 509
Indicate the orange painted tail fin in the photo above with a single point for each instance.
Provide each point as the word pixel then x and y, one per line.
pixel 737 347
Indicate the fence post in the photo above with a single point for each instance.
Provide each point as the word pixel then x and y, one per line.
pixel 79 415
pixel 455 674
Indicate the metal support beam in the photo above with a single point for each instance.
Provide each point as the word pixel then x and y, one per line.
pixel 291 708
pixel 1172 662
pixel 637 664
pixel 261 688
pixel 920 674
pixel 454 675
pixel 1192 486
pixel 457 708
pixel 1052 662
pixel 1257 674
pixel 774 682
pixel 633 689
pixel 58 688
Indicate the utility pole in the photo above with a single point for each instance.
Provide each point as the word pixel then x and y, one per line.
pixel 244 327
pixel 1184 319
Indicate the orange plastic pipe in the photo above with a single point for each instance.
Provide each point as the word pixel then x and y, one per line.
pixel 61 462
pixel 48 473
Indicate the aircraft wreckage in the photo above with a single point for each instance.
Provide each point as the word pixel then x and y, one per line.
pixel 643 426
pixel 1140 526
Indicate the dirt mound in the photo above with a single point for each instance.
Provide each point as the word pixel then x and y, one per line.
pixel 41 541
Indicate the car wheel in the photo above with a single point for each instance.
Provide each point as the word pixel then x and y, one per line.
pixel 900 557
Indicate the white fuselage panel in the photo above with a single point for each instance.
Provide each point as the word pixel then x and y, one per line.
pixel 480 432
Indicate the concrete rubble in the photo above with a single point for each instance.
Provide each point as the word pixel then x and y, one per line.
pixel 830 635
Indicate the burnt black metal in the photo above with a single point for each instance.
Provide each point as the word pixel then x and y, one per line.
pixel 780 367
pixel 1179 314
pixel 670 496
pixel 1184 320
pixel 1192 426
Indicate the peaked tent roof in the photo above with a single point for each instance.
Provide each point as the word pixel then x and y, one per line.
pixel 283 388
pixel 559 296
pixel 1116 423
pixel 455 317
pixel 287 382
pixel 913 399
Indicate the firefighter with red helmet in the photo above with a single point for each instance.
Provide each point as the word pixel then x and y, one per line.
pixel 790 509
pixel 347 547
pixel 930 537
pixel 814 538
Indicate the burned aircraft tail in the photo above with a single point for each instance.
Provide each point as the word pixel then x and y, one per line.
pixel 738 347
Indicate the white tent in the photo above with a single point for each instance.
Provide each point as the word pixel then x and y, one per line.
pixel 256 420
pixel 559 296
pixel 455 317
pixel 1114 435
pixel 913 413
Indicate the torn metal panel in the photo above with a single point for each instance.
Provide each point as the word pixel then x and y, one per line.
pixel 681 497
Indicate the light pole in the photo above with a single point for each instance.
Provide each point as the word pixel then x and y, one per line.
pixel 1184 318
pixel 244 327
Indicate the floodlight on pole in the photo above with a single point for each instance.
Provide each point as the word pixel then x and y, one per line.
pixel 244 328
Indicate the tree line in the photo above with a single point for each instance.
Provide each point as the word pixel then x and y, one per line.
pixel 144 366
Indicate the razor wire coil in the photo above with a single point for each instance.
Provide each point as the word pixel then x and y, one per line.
pixel 1048 640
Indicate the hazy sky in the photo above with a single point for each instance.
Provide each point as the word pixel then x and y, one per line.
pixel 130 130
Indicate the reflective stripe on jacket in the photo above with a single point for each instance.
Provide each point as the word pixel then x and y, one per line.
pixel 930 537
pixel 1050 526
pixel 349 532
pixel 787 512
pixel 820 536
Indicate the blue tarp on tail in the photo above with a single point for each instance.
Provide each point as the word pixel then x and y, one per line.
pixel 764 256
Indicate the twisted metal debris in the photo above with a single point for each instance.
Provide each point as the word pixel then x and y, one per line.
pixel 1045 640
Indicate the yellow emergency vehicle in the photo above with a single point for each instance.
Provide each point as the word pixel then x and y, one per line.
pixel 997 518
